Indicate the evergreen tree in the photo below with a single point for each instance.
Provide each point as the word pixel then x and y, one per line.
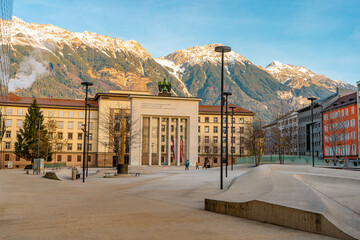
pixel 26 145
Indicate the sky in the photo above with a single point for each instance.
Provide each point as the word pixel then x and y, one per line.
pixel 322 35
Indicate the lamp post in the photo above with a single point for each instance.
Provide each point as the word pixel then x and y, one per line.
pixel 227 131
pixel 222 49
pixel 88 140
pixel 232 134
pixel 312 128
pixel 86 84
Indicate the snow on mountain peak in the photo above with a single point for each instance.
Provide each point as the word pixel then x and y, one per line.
pixel 50 37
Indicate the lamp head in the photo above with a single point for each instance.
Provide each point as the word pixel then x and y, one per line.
pixel 87 84
pixel 227 93
pixel 222 49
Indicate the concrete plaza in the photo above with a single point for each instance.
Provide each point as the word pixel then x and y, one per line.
pixel 162 203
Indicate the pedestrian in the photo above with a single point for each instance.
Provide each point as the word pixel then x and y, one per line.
pixel 197 165
pixel 204 164
pixel 187 163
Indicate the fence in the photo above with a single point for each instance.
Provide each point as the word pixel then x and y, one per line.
pixel 288 159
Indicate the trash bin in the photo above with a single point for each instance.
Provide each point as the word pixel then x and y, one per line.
pixel 73 174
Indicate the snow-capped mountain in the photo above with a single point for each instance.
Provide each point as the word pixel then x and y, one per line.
pixel 298 77
pixel 48 61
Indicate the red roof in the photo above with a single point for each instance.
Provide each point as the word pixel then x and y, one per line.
pixel 217 109
pixel 14 99
pixel 345 100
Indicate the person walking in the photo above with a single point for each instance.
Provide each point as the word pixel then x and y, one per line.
pixel 197 165
pixel 204 164
pixel 187 163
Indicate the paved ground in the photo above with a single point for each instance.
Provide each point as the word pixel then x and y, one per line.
pixel 163 203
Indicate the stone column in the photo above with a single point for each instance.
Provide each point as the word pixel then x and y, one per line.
pixel 149 141
pixel 168 140
pixel 159 142
pixel 178 141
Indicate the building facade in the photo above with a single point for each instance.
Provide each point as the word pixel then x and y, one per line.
pixel 305 136
pixel 135 127
pixel 209 133
pixel 340 129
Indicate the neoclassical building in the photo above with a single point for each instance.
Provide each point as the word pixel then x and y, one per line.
pixel 127 126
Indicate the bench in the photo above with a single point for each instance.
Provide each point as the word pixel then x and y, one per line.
pixel 108 174
pixel 136 174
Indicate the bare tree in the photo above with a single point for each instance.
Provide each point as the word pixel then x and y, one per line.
pixel 115 122
pixel 254 139
pixel 56 138
pixel 208 148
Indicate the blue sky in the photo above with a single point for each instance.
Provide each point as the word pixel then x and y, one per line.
pixel 322 35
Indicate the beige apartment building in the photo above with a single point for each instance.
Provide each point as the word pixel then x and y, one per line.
pixel 209 133
pixel 69 117
pixel 163 130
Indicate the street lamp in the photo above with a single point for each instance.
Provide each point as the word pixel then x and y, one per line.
pixel 227 130
pixel 312 128
pixel 86 84
pixel 222 49
pixel 232 134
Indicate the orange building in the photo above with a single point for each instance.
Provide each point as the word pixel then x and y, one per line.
pixel 340 135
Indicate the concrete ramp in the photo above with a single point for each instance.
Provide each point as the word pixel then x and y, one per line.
pixel 322 201
pixel 51 175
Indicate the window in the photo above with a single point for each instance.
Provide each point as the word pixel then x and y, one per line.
pixel 327 151
pixel 78 158
pixel 215 139
pixel 346 136
pixel 70 125
pixel 232 149
pixel 80 125
pixel 233 129
pixel 241 120
pixel 7 145
pixel 199 139
pixel 347 123
pixel 181 128
pixel 206 129
pixel 206 139
pixel 59 147
pixel 79 146
pixel 326 128
pixel 215 160
pixel 352 110
pixel 69 158
pixel 198 149
pixel 70 136
pixel 163 138
pixel 89 147
pixel 347 150
pixel 79 136
pixel 215 149
pixel 326 117
pixel 51 113
pixel 354 149
pixel 69 146
pixel 353 135
pixel 224 119
pixel 8 134
pixel 162 148
pixel 60 135
pixel 198 119
pixel 215 129
pixel 233 139
pixel 90 136
pixel 206 119
pixel 71 114
pixel 224 130
pixel 198 128
pixel 59 158
pixel 8 123
pixel 61 113
pixel 18 133
pixel 89 158
pixel 81 114
pixel 241 129
pixel 206 149
pixel 342 112
pixel 90 125
pixel 215 119
pixel 91 115
pixel 61 125
pixel 224 139
pixel 346 112
pixel 352 123
pixel 8 111
pixel 172 128
pixel 7 157
pixel 20 112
